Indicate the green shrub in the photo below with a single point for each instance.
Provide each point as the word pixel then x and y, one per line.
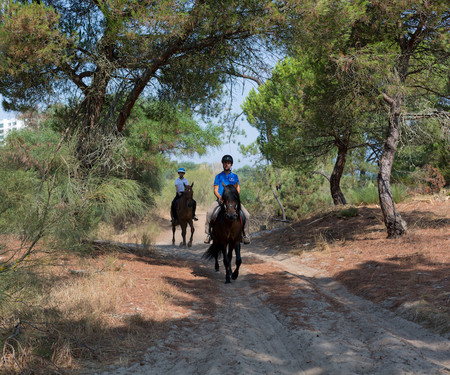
pixel 368 194
pixel 348 212
pixel 63 202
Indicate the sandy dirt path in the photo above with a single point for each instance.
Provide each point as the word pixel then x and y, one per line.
pixel 316 327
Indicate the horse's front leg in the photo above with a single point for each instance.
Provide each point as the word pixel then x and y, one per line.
pixel 235 274
pixel 227 258
pixel 173 234
pixel 183 234
pixel 191 224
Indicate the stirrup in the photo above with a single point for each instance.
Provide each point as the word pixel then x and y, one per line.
pixel 195 218
pixel 246 240
pixel 207 239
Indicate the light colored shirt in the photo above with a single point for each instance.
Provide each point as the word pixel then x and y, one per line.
pixel 180 184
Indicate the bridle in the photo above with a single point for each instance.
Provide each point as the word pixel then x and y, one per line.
pixel 231 210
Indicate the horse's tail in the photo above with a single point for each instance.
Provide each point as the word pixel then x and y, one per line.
pixel 213 251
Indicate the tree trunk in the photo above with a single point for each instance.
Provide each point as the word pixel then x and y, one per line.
pixel 335 178
pixel 274 192
pixel 283 212
pixel 395 225
pixel 91 131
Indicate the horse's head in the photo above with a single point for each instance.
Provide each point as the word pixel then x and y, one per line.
pixel 188 194
pixel 231 202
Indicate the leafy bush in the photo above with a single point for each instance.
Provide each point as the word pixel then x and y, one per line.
pixel 59 201
pixel 367 194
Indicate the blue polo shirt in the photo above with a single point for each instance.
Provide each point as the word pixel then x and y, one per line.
pixel 228 179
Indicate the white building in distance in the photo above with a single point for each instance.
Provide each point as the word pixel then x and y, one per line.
pixel 7 125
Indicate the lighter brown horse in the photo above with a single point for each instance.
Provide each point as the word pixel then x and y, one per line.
pixel 184 210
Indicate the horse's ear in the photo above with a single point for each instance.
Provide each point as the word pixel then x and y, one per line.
pixel 184 183
pixel 192 185
pixel 236 185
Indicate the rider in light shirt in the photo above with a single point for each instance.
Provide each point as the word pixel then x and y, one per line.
pixel 179 187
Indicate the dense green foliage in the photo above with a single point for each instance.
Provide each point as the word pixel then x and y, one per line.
pixel 54 200
pixel 104 56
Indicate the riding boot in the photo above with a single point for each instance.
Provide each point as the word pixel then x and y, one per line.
pixel 245 238
pixel 193 211
pixel 208 236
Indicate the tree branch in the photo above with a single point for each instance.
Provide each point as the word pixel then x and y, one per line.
pixel 322 174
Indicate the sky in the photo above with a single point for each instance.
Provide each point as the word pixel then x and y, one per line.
pixel 231 148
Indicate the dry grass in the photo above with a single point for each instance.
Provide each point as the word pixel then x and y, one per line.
pixel 321 242
pixel 143 231
pixel 75 312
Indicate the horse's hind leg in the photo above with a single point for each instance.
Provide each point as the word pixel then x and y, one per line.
pixel 227 263
pixel 173 234
pixel 235 274
pixel 191 224
pixel 216 265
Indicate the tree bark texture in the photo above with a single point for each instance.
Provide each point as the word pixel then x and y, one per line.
pixel 335 178
pixel 395 225
pixel 274 192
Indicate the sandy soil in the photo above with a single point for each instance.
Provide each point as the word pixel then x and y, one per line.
pixel 297 306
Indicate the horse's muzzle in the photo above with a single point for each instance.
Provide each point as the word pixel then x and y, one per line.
pixel 232 216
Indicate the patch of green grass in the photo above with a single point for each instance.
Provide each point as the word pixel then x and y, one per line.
pixel 368 194
pixel 348 212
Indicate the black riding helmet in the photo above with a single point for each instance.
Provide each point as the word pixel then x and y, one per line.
pixel 227 158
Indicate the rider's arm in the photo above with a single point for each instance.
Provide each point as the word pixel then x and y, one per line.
pixel 216 192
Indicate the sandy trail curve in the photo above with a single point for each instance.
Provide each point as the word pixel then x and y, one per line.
pixel 326 330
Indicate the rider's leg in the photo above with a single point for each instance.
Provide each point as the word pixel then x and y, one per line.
pixel 172 208
pixel 193 209
pixel 208 221
pixel 246 229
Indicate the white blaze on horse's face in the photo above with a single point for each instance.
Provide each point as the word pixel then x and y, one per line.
pixel 188 193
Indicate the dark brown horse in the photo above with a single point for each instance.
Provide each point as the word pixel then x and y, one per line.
pixel 227 232
pixel 184 210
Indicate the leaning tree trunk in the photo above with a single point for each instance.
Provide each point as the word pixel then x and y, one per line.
pixel 395 225
pixel 335 178
pixel 91 131
pixel 274 192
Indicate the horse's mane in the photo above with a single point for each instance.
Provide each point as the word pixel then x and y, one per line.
pixel 230 194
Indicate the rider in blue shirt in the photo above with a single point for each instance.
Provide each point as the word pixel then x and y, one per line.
pixel 227 177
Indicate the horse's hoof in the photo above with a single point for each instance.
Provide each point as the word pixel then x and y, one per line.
pixel 235 275
pixel 228 282
pixel 190 244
